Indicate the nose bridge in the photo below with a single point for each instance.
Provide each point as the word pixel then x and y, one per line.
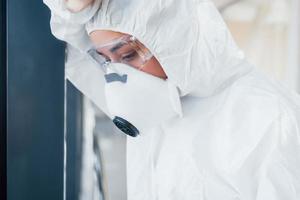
pixel 114 57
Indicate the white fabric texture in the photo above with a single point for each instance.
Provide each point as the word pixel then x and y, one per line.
pixel 238 137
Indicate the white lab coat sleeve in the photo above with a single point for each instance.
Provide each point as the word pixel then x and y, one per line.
pixel 84 74
pixel 280 178
pixel 70 27
pixel 269 171
pixel 274 162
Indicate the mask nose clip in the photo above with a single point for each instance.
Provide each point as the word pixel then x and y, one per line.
pixel 113 77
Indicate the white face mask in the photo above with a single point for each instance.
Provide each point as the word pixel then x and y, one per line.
pixel 138 101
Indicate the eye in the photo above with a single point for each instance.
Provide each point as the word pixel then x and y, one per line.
pixel 130 56
pixel 104 56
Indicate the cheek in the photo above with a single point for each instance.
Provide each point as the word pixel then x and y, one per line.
pixel 154 68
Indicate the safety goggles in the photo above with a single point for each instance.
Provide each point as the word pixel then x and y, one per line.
pixel 126 49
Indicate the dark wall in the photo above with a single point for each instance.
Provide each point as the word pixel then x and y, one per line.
pixel 35 120
pixel 3 99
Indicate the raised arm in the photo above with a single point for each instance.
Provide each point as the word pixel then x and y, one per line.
pixel 68 18
pixel 77 5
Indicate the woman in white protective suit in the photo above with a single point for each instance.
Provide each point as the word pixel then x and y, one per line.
pixel 206 123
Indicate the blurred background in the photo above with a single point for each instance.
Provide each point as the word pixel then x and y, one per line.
pixel 268 32
pixel 59 144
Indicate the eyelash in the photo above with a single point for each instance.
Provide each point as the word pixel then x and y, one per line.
pixel 103 55
pixel 129 56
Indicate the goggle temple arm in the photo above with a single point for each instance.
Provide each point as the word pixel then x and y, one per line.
pixel 98 59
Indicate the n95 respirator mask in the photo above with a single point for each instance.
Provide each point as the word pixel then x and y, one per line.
pixel 138 101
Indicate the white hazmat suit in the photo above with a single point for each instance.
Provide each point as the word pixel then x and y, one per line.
pixel 238 137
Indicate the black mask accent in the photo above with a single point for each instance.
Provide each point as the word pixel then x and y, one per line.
pixel 126 127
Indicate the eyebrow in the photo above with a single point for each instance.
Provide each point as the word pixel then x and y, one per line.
pixel 116 47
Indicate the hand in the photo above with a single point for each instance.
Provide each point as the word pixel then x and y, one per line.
pixel 77 5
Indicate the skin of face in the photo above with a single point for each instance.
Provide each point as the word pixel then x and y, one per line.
pixel 152 66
